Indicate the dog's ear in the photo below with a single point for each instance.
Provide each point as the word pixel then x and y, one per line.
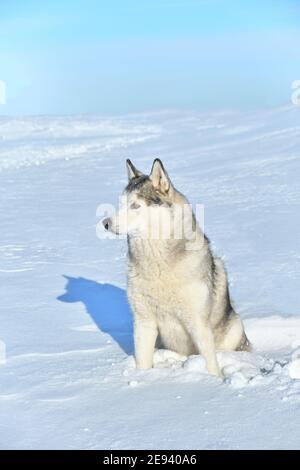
pixel 159 177
pixel 132 171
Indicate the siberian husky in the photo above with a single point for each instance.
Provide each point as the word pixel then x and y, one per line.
pixel 177 288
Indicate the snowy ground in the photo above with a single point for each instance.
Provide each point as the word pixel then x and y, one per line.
pixel 69 379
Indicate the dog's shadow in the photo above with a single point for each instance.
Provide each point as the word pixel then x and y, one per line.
pixel 107 305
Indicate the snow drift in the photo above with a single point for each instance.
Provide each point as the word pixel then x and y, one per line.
pixel 68 378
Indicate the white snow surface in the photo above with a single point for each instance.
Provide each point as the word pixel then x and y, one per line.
pixel 68 378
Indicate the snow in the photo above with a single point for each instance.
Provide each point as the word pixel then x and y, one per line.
pixel 68 379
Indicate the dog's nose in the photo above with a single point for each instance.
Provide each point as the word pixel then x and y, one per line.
pixel 106 223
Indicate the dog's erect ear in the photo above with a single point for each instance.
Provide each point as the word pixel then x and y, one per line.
pixel 159 177
pixel 132 171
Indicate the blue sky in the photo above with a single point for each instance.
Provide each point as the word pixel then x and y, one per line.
pixel 118 56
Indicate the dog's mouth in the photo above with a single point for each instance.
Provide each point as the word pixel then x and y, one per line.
pixel 108 225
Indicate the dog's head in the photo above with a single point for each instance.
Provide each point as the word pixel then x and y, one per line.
pixel 147 204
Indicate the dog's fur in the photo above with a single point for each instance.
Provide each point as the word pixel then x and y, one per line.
pixel 177 288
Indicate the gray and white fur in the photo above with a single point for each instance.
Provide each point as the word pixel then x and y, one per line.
pixel 177 288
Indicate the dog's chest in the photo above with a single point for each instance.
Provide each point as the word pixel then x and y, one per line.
pixel 162 296
pixel 161 287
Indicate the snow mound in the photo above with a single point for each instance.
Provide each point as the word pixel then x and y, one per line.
pixel 276 363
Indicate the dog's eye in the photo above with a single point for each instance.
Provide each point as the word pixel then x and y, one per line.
pixel 135 205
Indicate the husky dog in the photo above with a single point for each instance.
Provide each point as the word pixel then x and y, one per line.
pixel 177 288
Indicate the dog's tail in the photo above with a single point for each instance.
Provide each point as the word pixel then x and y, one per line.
pixel 245 344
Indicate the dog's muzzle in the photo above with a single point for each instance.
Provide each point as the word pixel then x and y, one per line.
pixel 107 223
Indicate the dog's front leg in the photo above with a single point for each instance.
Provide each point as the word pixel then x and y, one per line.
pixel 198 325
pixel 203 339
pixel 145 335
